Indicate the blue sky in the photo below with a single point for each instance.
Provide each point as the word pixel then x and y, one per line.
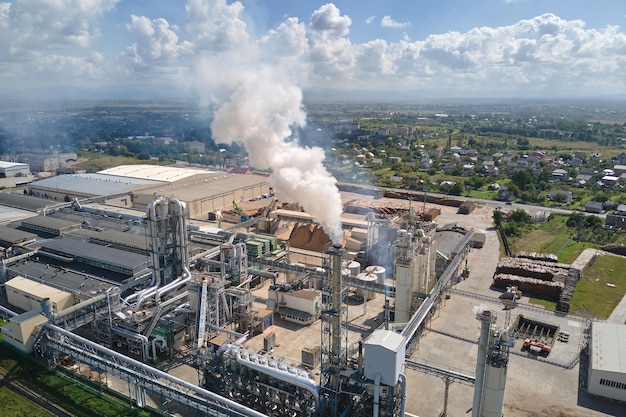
pixel 200 49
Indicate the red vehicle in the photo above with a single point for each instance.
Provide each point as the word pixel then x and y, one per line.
pixel 536 347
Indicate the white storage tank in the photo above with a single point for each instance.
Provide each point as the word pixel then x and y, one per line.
pixel 379 271
pixel 354 267
pixel 365 278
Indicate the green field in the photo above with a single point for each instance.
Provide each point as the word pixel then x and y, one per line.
pixel 592 297
pixel 545 237
pixel 76 397
pixel 12 404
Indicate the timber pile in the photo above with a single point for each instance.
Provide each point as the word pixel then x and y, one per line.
pixel 568 291
pixel 466 207
pixel 379 207
pixel 430 198
pixel 540 288
pixel 546 271
pixel 614 248
pixel 545 257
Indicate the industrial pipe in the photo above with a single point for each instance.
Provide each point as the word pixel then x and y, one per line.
pixel 376 394
pixel 291 376
pixel 403 395
pixel 156 372
pixel 145 352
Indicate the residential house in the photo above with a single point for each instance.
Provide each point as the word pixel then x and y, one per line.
pixel 610 181
pixel 615 221
pixel 586 171
pixel 593 207
pixel 504 194
pixel 583 179
pixel 558 175
pixel 621 209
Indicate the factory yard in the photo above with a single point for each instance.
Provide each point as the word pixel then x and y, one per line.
pixel 533 387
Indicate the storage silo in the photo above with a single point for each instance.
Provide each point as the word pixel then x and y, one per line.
pixel 366 278
pixel 379 271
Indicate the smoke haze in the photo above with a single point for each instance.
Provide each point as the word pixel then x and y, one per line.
pixel 262 113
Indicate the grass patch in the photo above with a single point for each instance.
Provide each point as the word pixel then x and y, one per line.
pixel 484 194
pixel 76 398
pixel 570 252
pixel 12 404
pixel 547 304
pixel 98 162
pixel 592 297
pixel 546 237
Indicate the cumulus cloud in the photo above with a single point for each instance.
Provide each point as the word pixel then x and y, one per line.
pixel 214 44
pixel 43 25
pixel 157 44
pixel 216 25
pixel 388 22
pixel 328 23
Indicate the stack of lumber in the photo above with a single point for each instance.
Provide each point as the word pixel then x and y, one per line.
pixel 545 289
pixel 546 257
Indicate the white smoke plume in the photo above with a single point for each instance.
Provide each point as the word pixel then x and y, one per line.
pixel 262 113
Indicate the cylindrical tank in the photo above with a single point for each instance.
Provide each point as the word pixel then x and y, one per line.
pixel 379 271
pixel 365 278
pixel 354 267
pixel 493 398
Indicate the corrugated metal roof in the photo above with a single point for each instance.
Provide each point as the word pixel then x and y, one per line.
pixel 50 222
pixel 153 172
pixel 25 202
pixel 5 164
pixel 207 185
pixel 608 347
pixel 10 235
pixel 93 184
pixel 103 254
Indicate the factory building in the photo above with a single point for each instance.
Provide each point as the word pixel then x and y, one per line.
pixel 13 169
pixel 48 162
pixel 607 361
pixel 27 295
pixel 301 306
pixel 23 329
pixel 134 186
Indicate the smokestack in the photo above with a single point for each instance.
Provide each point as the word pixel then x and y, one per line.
pixel 336 254
pixel 481 361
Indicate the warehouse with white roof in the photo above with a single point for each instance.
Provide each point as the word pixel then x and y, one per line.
pixel 135 186
pixel 607 361
pixel 13 169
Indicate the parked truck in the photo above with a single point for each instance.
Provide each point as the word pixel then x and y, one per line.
pixel 536 347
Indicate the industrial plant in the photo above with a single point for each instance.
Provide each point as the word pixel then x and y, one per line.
pixel 115 286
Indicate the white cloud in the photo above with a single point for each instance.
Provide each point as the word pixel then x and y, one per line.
pixel 216 25
pixel 215 48
pixel 370 20
pixel 328 23
pixel 157 44
pixel 388 22
pixel 43 25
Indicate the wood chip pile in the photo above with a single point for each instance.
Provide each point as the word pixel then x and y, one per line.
pixel 308 237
